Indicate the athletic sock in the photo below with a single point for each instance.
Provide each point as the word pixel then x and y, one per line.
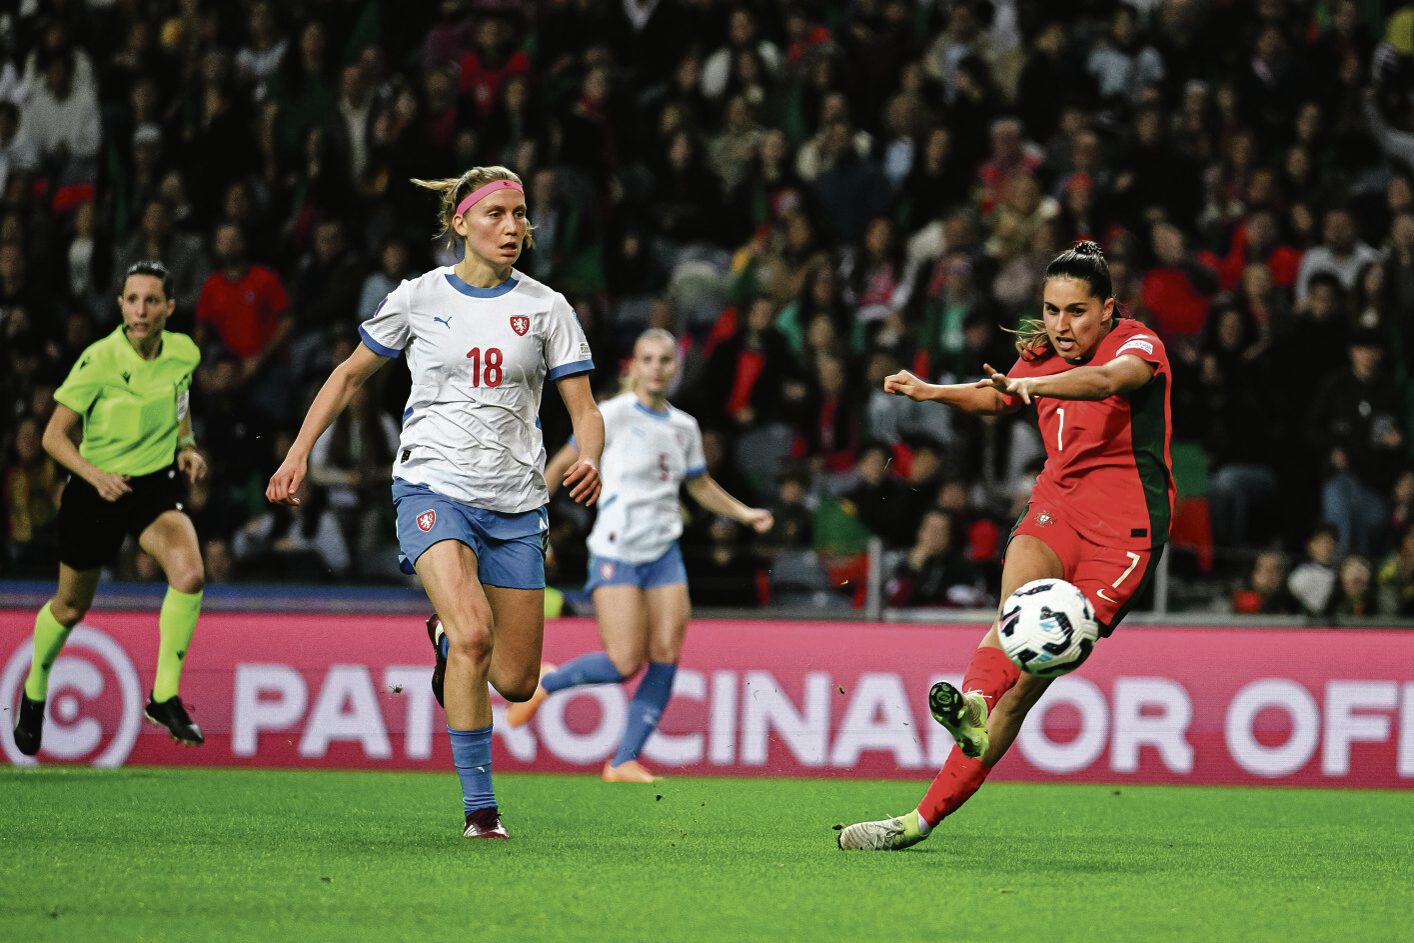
pixel 955 783
pixel 175 623
pixel 992 673
pixel 471 752
pixel 49 638
pixel 593 668
pixel 646 707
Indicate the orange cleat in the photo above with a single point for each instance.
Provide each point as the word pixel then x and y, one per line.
pixel 519 713
pixel 630 772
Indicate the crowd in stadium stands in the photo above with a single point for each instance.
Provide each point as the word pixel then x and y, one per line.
pixel 810 195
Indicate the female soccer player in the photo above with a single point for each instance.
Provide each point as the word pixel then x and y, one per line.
pixel 480 339
pixel 1098 516
pixel 636 572
pixel 126 399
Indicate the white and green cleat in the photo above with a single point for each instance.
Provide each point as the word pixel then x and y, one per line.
pixel 963 715
pixel 895 834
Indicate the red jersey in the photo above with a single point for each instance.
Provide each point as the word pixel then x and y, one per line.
pixel 246 313
pixel 1107 461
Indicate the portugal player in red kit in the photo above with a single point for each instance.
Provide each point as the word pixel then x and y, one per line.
pixel 1098 516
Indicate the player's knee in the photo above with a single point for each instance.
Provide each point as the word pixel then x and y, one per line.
pixel 627 664
pixel 67 612
pixel 189 580
pixel 519 688
pixel 472 643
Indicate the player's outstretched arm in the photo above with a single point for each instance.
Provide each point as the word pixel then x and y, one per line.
pixel 1124 374
pixel 582 478
pixel 333 396
pixel 977 398
pixel 712 496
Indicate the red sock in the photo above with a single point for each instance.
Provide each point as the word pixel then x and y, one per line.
pixel 990 672
pixel 955 783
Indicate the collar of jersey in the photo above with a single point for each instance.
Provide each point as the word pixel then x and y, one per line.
pixel 471 291
pixel 656 414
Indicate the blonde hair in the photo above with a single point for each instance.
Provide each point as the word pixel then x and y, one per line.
pixel 455 189
pixel 651 334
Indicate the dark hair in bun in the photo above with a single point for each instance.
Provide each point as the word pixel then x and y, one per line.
pixel 1085 262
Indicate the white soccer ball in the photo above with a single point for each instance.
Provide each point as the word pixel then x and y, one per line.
pixel 1048 628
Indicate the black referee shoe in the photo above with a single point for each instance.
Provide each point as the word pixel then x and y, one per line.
pixel 29 725
pixel 173 715
pixel 439 670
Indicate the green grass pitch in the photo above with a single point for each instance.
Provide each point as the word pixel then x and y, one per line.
pixel 202 854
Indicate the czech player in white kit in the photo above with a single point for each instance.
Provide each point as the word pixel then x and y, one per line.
pixel 480 340
pixel 636 573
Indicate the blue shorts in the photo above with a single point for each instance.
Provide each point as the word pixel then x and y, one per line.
pixel 664 571
pixel 509 548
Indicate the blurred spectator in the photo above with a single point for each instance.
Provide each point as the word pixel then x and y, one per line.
pixel 1340 253
pixel 794 519
pixel 351 461
pixel 935 572
pixel 293 542
pixel 1355 596
pixel 1264 592
pixel 724 572
pixel 32 483
pixel 1122 62
pixel 182 253
pixel 18 150
pixel 1177 290
pixel 245 304
pixel 879 499
pixel 1357 422
pixel 61 116
pixel 394 265
pixel 1396 577
pixel 1312 582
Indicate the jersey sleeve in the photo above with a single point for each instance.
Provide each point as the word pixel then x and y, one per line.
pixel 386 332
pixel 696 460
pixel 83 384
pixel 566 348
pixel 1147 347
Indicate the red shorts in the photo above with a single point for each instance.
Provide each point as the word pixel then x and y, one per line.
pixel 1110 577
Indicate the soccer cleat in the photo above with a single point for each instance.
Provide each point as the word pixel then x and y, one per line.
pixel 485 823
pixel 519 713
pixel 439 670
pixel 630 772
pixel 29 725
pixel 895 834
pixel 964 716
pixel 173 715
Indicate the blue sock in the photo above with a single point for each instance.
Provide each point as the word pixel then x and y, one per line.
pixel 645 709
pixel 594 668
pixel 471 752
pixel 444 644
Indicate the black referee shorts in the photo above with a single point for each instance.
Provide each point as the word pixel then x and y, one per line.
pixel 91 530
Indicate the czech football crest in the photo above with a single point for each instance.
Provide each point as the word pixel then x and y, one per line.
pixel 425 520
pixel 520 323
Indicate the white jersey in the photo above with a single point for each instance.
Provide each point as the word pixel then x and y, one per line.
pixel 647 455
pixel 479 358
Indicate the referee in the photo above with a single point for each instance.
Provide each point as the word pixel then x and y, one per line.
pixel 129 394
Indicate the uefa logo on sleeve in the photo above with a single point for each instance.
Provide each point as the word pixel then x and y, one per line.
pixel 94 709
pixel 425 520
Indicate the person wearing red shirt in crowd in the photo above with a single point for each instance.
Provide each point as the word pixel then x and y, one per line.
pixel 1098 516
pixel 1178 289
pixel 1255 241
pixel 486 67
pixel 244 303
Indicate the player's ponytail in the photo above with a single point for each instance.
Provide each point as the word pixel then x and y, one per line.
pixel 1085 262
pixel 453 190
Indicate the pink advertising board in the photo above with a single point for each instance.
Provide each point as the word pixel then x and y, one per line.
pixel 1319 707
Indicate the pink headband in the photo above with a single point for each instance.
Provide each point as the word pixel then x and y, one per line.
pixel 476 196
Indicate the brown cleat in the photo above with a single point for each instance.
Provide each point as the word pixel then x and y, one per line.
pixel 519 713
pixel 485 823
pixel 630 772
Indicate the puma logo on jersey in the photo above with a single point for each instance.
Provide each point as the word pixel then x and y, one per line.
pixel 447 320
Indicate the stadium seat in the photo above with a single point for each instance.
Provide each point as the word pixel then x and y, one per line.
pixel 1192 527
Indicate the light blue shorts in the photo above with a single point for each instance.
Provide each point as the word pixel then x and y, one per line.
pixel 664 571
pixel 509 548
